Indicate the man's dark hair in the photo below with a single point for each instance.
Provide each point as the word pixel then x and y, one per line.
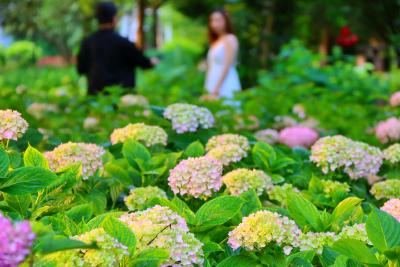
pixel 105 12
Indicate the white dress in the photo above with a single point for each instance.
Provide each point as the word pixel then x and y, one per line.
pixel 215 63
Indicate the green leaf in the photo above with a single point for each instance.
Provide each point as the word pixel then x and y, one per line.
pixel 218 211
pixel 121 232
pixel 80 212
pixel 303 211
pixel 4 162
pixel 344 211
pixel 27 180
pixel 136 153
pixel 195 149
pixel 383 230
pixel 252 203
pixel 264 155
pixel 19 203
pixel 50 244
pixel 239 260
pixel 118 172
pixel 299 262
pixel 210 247
pixel 98 220
pixel 150 257
pixel 356 250
pixel 184 210
pixel 32 157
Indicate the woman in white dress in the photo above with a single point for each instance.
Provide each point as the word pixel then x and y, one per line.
pixel 222 78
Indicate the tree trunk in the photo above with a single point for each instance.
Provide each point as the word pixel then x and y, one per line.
pixel 140 40
pixel 266 34
pixel 155 26
pixel 324 45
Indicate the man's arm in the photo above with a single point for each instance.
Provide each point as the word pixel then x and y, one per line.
pixel 136 57
pixel 83 58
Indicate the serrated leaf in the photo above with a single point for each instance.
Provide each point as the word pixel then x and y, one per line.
pixel 4 162
pixel 121 232
pixel 32 157
pixel 356 250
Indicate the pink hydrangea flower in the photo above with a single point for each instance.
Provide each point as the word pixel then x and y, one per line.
pixel 392 207
pixel 388 130
pixel 12 125
pixel 15 241
pixel 298 136
pixel 198 177
pixel 395 99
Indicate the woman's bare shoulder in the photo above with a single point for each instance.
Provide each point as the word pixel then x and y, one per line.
pixel 231 39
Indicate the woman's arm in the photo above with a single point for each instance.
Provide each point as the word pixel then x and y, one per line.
pixel 231 46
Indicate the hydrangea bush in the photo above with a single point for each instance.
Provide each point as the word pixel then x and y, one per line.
pixel 357 159
pixel 386 189
pixel 139 197
pixel 298 136
pixel 12 125
pixel 149 135
pixel 160 227
pixel 188 118
pixel 241 180
pixel 68 154
pixel 197 177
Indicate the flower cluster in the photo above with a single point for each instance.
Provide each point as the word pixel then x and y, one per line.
pixel 329 187
pixel 395 99
pixel 316 241
pixel 65 155
pixel 160 227
pixel 198 177
pixel 269 136
pixel 388 130
pixel 90 123
pixel 386 189
pixel 149 135
pixel 15 241
pixel 299 110
pixel 392 153
pixel 110 252
pixel 130 100
pixel 188 118
pixel 262 228
pixel 140 196
pixel 39 110
pixel 228 148
pixel 279 192
pixel 298 136
pixel 12 125
pixel 356 158
pixel 392 207
pixel 241 180
pixel 284 121
pixel 356 231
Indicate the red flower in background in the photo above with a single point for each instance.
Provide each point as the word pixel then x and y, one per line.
pixel 346 37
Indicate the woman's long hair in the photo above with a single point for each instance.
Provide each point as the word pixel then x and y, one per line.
pixel 213 36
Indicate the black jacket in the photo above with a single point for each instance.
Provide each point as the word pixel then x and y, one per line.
pixel 107 58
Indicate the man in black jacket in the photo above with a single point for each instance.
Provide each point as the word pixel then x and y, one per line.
pixel 106 58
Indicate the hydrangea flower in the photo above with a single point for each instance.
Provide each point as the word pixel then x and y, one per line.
pixel 395 99
pixel 188 118
pixel 130 100
pixel 241 180
pixel 299 110
pixel 12 125
pixel 356 231
pixel 15 241
pixel 228 139
pixel 283 122
pixel 39 110
pixel 90 123
pixel 316 241
pixel 298 136
pixel 160 227
pixel 227 154
pixel 263 228
pixel 386 189
pixel 392 153
pixel 279 192
pixel 392 207
pixel 388 130
pixel 65 155
pixel 269 136
pixel 329 187
pixel 197 177
pixel 149 135
pixel 140 196
pixel 356 158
